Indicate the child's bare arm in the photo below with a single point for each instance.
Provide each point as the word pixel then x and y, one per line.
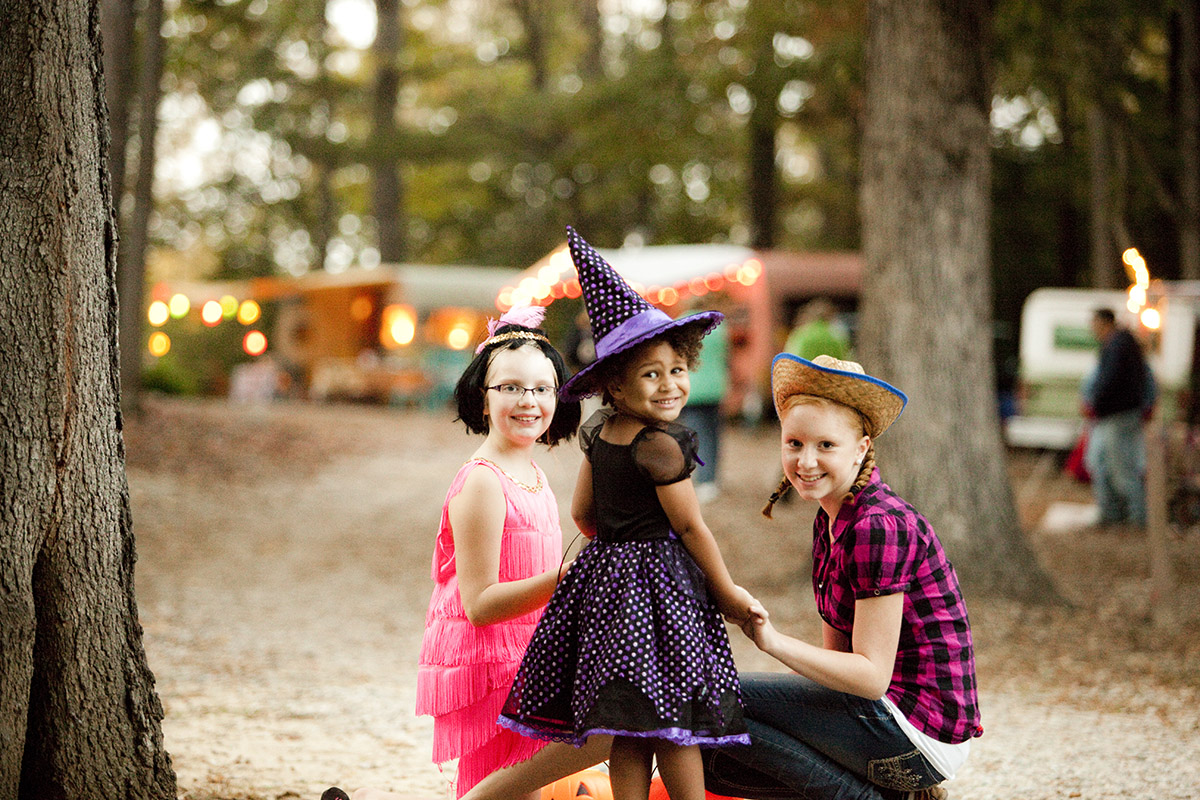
pixel 582 506
pixel 683 510
pixel 477 519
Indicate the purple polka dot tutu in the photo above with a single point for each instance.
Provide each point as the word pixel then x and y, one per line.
pixel 631 643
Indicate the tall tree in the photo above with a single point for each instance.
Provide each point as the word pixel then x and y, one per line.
pixel 117 22
pixel 926 301
pixel 131 257
pixel 387 191
pixel 79 717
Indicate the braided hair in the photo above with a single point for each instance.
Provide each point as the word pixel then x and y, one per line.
pixel 864 470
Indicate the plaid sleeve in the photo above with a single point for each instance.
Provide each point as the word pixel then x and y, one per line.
pixel 884 555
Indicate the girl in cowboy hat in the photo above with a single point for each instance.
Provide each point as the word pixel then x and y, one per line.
pixel 632 644
pixel 886 706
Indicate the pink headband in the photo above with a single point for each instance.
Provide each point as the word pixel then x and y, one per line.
pixel 527 317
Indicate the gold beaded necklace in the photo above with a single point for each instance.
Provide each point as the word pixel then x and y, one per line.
pixel 531 489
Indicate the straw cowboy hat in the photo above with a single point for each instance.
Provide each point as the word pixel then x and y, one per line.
pixel 621 318
pixel 843 382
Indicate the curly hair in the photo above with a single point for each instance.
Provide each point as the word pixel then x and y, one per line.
pixel 470 389
pixel 686 340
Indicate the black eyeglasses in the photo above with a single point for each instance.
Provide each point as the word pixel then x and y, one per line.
pixel 515 391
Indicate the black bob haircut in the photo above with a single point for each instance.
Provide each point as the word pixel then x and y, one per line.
pixel 469 392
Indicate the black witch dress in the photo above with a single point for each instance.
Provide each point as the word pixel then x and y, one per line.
pixel 631 643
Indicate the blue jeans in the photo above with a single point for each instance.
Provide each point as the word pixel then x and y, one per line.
pixel 813 743
pixel 1116 459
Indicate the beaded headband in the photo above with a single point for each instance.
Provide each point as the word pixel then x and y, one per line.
pixel 528 317
pixel 504 337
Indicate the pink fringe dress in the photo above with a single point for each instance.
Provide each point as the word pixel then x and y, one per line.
pixel 465 671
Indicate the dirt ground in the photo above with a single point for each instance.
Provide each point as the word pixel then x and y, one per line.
pixel 283 574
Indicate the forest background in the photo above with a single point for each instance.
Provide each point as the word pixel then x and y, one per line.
pixel 256 137
pixel 248 137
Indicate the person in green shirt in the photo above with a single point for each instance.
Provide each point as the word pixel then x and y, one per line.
pixel 815 334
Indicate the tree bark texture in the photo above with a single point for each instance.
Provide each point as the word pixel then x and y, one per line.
pixel 387 191
pixel 925 314
pixel 131 257
pixel 79 717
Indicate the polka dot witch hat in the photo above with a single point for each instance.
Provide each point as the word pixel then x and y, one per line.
pixel 620 317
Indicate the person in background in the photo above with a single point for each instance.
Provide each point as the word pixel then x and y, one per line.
pixel 709 380
pixel 1118 397
pixel 815 334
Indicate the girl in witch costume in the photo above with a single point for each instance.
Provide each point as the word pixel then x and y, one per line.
pixel 632 644
pixel 498 552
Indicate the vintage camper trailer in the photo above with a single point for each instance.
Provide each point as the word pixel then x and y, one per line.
pixel 1058 350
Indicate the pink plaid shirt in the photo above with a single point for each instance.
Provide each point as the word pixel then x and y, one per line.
pixel 881 546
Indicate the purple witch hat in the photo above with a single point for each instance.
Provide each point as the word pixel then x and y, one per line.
pixel 620 317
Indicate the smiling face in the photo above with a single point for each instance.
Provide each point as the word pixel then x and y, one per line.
pixel 654 385
pixel 822 447
pixel 523 417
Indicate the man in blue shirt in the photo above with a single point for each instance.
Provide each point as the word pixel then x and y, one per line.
pixel 1118 396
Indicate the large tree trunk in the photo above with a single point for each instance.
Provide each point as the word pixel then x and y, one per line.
pixel 131 259
pixel 387 189
pixel 78 714
pixel 925 314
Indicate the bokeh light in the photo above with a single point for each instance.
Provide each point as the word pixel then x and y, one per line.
pixel 160 344
pixel 210 313
pixel 180 306
pixel 248 312
pixel 254 342
pixel 458 337
pixel 399 326
pixel 159 313
pixel 229 306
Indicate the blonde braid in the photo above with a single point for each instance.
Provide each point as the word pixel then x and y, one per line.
pixel 779 492
pixel 864 474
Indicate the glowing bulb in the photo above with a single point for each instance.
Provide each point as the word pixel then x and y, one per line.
pixel 1151 318
pixel 229 306
pixel 458 338
pixel 179 306
pixel 248 312
pixel 159 313
pixel 399 326
pixel 210 313
pixel 669 296
pixel 254 343
pixel 160 344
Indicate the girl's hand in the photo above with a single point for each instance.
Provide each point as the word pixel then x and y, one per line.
pixel 758 629
pixel 738 606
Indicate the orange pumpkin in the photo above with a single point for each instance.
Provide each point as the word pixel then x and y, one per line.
pixel 589 784
pixel 659 792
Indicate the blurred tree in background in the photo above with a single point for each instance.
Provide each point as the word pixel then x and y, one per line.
pixel 652 121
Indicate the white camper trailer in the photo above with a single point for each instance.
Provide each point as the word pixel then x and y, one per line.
pixel 1058 350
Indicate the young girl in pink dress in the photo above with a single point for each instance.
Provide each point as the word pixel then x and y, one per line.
pixel 498 552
